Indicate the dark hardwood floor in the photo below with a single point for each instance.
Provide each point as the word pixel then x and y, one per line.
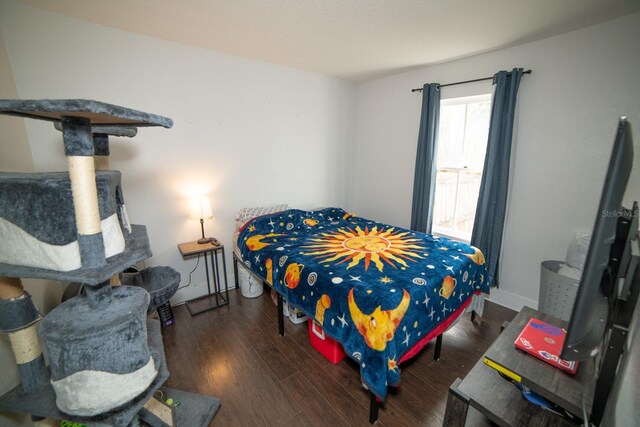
pixel 262 379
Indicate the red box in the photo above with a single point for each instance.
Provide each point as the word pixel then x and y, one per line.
pixel 545 341
pixel 327 346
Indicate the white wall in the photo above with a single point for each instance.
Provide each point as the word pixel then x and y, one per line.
pixel 246 133
pixel 16 153
pixel 567 114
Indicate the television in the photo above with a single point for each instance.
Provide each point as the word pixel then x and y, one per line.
pixel 589 318
pixel 608 288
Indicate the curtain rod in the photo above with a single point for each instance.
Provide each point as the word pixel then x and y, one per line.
pixel 467 81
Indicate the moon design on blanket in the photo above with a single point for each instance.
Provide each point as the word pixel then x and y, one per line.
pixel 321 306
pixel 255 243
pixel 477 256
pixel 380 246
pixel 292 275
pixel 378 328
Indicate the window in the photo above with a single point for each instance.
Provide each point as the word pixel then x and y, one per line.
pixel 462 142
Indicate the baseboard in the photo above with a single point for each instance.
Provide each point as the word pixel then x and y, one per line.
pixel 511 300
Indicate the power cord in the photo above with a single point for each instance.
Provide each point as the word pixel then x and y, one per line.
pixel 190 273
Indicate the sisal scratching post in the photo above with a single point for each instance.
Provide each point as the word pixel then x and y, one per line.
pixel 78 146
pixel 18 318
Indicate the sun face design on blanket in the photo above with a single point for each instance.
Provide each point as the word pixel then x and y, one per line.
pixel 388 245
pixel 383 292
pixel 378 327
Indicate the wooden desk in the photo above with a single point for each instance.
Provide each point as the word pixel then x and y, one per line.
pixel 501 402
pixel 216 298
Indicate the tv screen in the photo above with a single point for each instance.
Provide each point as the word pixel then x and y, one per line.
pixel 596 293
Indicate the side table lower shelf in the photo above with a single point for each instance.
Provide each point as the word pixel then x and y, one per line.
pixel 205 303
pixel 495 401
pixel 218 297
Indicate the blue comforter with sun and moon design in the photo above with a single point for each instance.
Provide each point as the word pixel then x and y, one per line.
pixel 383 292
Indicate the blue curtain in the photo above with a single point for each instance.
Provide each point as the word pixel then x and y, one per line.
pixel 424 182
pixel 492 201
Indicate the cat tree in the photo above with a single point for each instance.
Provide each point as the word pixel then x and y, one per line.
pixel 106 359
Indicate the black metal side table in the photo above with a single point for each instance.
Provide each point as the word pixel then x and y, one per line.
pixel 214 298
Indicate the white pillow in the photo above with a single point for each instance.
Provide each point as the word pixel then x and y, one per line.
pixel 246 214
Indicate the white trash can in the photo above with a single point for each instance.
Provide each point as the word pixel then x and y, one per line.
pixel 250 285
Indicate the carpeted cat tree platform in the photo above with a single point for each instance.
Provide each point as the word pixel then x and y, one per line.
pixel 106 358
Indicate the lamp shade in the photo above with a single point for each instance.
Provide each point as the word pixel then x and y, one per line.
pixel 200 208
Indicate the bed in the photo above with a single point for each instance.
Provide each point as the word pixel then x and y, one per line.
pixel 383 292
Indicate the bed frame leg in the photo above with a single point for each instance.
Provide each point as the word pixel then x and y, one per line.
pixel 436 352
pixel 280 316
pixel 473 316
pixel 373 409
pixel 235 271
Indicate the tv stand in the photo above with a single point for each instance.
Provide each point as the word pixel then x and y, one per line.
pixel 486 392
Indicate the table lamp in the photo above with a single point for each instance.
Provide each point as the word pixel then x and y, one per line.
pixel 201 209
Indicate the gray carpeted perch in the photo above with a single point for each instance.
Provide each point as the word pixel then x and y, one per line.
pixel 37 222
pixel 136 249
pixel 125 131
pixel 194 409
pixel 161 283
pixel 98 112
pixel 98 351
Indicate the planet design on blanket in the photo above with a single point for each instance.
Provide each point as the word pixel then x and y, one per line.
pixel 448 285
pixel 292 275
pixel 311 222
pixel 378 327
pixel 380 246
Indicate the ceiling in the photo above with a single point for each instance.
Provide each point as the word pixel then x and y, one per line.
pixel 356 40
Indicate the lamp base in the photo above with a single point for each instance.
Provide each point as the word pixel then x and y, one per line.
pixel 204 240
